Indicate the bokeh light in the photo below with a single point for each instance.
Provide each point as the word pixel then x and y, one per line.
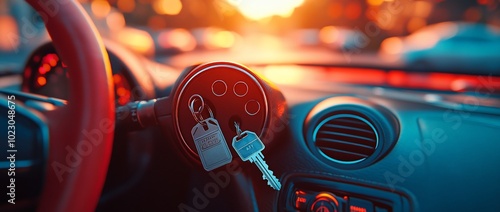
pixel 167 7
pixel 329 34
pixel 100 8
pixel 392 46
pixel 8 28
pixel 177 38
pixel 126 6
pixel 115 21
pixel 223 39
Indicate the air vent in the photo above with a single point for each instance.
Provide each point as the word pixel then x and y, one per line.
pixel 345 138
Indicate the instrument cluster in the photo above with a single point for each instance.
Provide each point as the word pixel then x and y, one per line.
pixel 46 74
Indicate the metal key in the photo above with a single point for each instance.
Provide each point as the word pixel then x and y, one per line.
pixel 249 147
pixel 208 138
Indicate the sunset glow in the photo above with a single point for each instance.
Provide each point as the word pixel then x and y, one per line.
pixel 261 9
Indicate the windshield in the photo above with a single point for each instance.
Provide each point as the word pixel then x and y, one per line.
pixel 375 18
pixel 284 31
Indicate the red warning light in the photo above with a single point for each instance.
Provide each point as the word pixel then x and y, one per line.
pixel 353 208
pixel 301 200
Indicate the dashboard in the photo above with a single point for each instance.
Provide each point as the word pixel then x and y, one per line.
pixel 423 147
pixel 347 138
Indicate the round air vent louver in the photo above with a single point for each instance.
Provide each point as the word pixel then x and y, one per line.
pixel 346 138
pixel 350 132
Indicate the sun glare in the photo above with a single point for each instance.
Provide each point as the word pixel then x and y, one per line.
pixel 261 9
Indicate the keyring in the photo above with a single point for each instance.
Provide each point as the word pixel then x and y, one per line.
pixel 238 130
pixel 191 102
pixel 197 115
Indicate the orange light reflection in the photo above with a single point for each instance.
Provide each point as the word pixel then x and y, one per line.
pixel 285 74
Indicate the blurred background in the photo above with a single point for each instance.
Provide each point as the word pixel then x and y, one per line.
pixel 161 29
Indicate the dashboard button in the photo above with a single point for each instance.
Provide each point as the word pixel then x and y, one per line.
pixel 360 205
pixel 240 89
pixel 219 88
pixel 252 107
pixel 301 200
pixel 325 202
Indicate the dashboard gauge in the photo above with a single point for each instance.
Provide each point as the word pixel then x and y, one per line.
pixel 122 89
pixel 46 74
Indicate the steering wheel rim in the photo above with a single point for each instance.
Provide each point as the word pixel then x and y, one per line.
pixel 81 133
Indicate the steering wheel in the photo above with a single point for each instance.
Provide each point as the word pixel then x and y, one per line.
pixel 81 132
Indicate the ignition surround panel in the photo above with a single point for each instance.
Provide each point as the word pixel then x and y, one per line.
pixel 231 92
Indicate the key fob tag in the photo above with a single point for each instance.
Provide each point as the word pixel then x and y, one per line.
pixel 211 144
pixel 248 145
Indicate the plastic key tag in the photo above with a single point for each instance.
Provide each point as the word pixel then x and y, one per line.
pixel 211 144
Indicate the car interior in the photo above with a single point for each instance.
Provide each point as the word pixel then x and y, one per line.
pixel 250 105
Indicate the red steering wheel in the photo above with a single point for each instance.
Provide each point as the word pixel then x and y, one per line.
pixel 81 133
